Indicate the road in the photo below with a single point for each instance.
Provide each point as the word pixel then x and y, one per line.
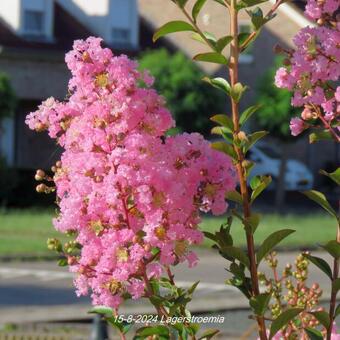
pixel 42 291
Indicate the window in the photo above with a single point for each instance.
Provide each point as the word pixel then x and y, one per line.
pixel 247 56
pixel 33 22
pixel 121 35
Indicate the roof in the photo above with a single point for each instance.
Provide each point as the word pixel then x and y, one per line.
pixel 66 29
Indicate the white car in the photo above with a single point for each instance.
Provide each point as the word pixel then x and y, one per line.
pixel 268 161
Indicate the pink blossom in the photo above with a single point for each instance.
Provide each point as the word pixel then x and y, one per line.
pixel 123 188
pixel 297 125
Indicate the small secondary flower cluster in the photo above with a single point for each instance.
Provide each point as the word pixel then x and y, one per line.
pixel 313 68
pixel 131 195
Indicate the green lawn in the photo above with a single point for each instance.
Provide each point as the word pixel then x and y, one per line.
pixel 310 229
pixel 26 231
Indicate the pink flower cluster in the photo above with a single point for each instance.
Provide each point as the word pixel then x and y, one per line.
pixel 314 68
pixel 131 195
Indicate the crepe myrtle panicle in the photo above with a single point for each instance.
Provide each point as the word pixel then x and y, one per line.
pixel 130 195
pixel 312 70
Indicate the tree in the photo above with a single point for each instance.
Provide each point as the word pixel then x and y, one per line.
pixel 274 116
pixel 190 100
pixel 7 97
pixel 7 107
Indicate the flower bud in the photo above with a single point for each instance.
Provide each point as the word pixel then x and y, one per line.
pixel 40 175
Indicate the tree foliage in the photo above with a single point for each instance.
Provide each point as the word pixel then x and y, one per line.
pixel 179 80
pixel 7 97
pixel 276 109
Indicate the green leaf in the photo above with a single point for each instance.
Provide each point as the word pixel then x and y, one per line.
pixel 336 285
pixel 266 180
pixel 283 319
pixel 156 330
pixel 223 120
pixel 319 135
pixel 271 241
pixel 223 42
pixel 251 223
pixel 248 113
pixel 172 27
pixel 197 8
pixel 333 248
pixel 62 262
pixel 248 3
pixel 255 182
pixel 193 288
pixel 337 311
pixel 102 310
pixel 256 17
pixel 335 176
pixel 313 334
pixel 208 334
pixel 242 37
pixel 254 138
pixel 237 91
pixel 259 304
pixel 322 317
pixel 321 264
pixel 209 36
pixel 321 199
pixel 225 148
pixel 219 83
pixel 234 196
pixel 221 2
pixel 211 57
pixel 123 327
pixel 180 3
pixel 236 253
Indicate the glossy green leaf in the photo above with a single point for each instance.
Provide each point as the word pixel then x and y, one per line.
pixel 256 17
pixel 259 304
pixel 266 180
pixel 225 148
pixel 237 254
pixel 333 248
pixel 335 176
pixel 211 57
pixel 322 317
pixel 197 8
pixel 320 199
pixel 283 319
pixel 208 36
pixel 223 42
pixel 321 264
pixel 223 120
pixel 246 114
pixel 172 27
pixel 103 310
pixel 254 138
pixel 219 83
pixel 255 182
pixel 313 333
pixel 271 241
pixel 234 196
pixel 208 334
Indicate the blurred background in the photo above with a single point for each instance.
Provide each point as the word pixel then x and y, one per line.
pixel 34 37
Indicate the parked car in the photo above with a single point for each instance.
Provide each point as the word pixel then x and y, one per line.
pixel 268 161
